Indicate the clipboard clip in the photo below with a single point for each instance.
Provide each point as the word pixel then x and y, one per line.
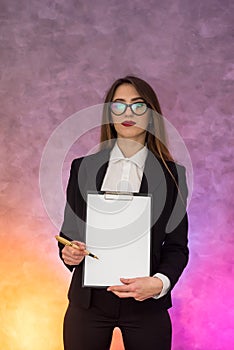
pixel 118 195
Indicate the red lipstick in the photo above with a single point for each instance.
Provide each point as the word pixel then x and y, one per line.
pixel 128 123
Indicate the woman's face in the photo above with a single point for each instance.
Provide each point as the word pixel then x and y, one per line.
pixel 129 125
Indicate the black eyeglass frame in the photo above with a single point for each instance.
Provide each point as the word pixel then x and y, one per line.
pixel 128 105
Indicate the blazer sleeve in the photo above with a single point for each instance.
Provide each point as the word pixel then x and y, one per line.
pixel 174 251
pixel 72 221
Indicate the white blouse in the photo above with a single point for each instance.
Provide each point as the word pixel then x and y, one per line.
pixel 125 174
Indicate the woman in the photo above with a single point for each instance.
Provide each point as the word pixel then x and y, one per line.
pixel 133 133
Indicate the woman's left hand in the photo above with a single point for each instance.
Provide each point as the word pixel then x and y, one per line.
pixel 139 288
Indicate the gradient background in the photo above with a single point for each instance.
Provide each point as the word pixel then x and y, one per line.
pixel 60 56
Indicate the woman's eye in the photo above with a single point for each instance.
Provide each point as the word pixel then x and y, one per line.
pixel 139 105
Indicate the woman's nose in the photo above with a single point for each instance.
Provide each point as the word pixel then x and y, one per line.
pixel 128 112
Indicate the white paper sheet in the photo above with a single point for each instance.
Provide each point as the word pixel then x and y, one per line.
pixel 118 232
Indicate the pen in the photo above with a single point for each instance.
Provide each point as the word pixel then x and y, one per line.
pixel 66 242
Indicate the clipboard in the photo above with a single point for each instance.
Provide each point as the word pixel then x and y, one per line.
pixel 118 231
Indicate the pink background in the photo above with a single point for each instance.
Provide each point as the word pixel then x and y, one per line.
pixel 57 57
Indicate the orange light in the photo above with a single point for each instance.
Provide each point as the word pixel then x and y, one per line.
pixel 33 293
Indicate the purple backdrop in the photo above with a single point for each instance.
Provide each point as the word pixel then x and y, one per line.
pixel 60 56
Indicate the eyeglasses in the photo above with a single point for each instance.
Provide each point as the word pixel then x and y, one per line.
pixel 138 108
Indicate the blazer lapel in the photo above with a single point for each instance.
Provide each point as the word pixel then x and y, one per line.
pixel 154 182
pixel 96 166
pixel 101 174
pixel 153 174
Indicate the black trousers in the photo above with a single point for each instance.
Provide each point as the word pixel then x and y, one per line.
pixel 142 327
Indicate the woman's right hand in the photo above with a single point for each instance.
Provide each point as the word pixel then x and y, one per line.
pixel 73 256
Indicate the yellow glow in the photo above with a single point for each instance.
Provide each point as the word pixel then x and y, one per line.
pixel 35 325
pixel 33 293
pixel 32 322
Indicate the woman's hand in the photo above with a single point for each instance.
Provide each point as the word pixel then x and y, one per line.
pixel 139 288
pixel 73 256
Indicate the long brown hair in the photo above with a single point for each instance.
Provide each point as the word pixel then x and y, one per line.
pixel 156 139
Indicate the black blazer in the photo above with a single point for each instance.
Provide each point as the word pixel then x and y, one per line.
pixel 170 225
